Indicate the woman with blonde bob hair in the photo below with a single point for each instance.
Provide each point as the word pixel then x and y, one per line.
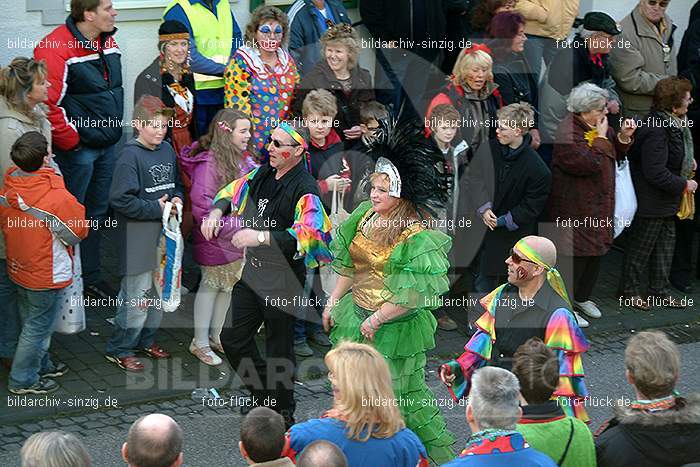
pixel 473 93
pixel 392 270
pixel 339 74
pixel 365 421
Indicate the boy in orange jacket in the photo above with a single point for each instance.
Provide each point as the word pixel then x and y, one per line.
pixel 42 222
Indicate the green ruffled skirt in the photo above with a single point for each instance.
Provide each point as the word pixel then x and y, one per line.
pixel 403 342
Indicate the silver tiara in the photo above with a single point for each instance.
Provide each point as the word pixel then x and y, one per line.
pixel 385 166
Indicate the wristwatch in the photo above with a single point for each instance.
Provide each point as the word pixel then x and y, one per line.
pixel 261 237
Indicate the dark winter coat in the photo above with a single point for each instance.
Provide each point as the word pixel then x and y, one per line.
pixel 322 77
pixel 689 51
pixel 656 159
pixel 583 188
pixel 669 438
pixel 516 82
pixel 512 183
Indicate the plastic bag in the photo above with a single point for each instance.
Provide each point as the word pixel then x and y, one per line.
pixel 625 197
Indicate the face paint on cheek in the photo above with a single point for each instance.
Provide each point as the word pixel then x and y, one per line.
pixel 286 154
pixel 521 272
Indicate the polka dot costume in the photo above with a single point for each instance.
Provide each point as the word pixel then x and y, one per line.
pixel 262 93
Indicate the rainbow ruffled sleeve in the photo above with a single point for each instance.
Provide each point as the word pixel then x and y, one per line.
pixel 312 231
pixel 564 336
pixel 478 349
pixel 237 192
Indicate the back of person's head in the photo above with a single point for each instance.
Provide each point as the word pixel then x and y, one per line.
pixel 29 151
pixel 365 394
pixel 320 102
pixel 262 435
pixel 373 110
pixel 79 7
pixel 493 399
pixel 653 363
pixel 322 454
pixel 485 11
pixel 154 440
pixel 54 449
pixel 17 80
pixel 537 369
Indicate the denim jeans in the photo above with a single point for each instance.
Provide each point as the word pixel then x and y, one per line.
pixel 538 48
pixel 87 173
pixel 9 314
pixel 138 317
pixel 37 310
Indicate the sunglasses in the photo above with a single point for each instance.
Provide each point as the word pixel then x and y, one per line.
pixel 278 145
pixel 517 259
pixel 267 30
pixel 662 4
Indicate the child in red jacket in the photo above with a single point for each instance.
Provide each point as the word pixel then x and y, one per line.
pixel 42 222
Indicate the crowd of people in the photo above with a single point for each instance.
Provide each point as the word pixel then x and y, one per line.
pixel 327 204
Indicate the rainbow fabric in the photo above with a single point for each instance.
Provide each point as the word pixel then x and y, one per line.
pixel 312 231
pixel 237 192
pixel 294 134
pixel 562 334
pixel 553 276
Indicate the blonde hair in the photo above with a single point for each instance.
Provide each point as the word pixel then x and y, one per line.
pixel 17 80
pixel 365 397
pixel 394 223
pixel 654 362
pixel 343 35
pixel 54 449
pixel 319 101
pixel 474 59
pixel 519 115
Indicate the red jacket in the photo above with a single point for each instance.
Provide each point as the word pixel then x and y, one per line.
pixel 86 97
pixel 42 222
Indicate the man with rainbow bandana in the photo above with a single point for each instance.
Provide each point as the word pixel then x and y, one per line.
pixel 533 303
pixel 284 230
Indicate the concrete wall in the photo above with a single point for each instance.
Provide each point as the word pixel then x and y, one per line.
pixel 138 37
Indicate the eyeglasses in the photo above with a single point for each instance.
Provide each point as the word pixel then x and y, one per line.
pixel 267 30
pixel 517 259
pixel 278 144
pixel 662 4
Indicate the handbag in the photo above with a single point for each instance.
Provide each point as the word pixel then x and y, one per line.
pixel 70 318
pixel 625 197
pixel 687 207
pixel 337 216
pixel 168 273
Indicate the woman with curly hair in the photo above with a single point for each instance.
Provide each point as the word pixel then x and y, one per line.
pixel 262 75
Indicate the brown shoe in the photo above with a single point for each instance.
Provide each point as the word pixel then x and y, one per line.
pixel 155 351
pixel 637 302
pixel 126 363
pixel 446 323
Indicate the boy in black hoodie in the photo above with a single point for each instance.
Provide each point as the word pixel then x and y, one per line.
pixel 145 177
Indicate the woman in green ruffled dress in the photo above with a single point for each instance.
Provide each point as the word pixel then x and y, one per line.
pixel 392 272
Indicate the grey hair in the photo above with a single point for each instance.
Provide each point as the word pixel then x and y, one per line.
pixel 494 398
pixel 54 449
pixel 586 97
pixel 586 34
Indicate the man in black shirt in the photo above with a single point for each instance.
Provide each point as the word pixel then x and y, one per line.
pixel 284 230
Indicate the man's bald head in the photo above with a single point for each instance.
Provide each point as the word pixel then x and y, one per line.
pixel 154 441
pixel 322 453
pixel 544 248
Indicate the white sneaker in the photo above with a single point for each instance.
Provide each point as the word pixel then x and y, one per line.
pixel 205 355
pixel 589 309
pixel 582 323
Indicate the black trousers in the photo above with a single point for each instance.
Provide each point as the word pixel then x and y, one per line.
pixel 270 380
pixel 682 266
pixel 580 275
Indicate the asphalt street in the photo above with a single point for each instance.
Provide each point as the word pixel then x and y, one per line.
pixel 211 435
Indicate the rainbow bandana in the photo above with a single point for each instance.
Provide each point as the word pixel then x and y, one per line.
pixel 553 276
pixel 293 133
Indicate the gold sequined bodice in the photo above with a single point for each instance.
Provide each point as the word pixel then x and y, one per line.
pixel 369 259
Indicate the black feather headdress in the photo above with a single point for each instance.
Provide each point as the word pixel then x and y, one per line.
pixel 416 158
